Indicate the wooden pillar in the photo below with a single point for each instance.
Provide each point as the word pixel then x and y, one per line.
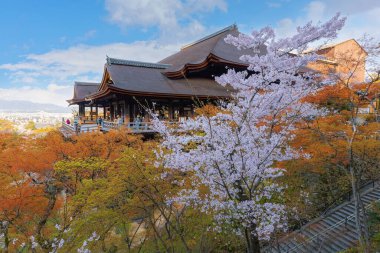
pixel 170 109
pixel 126 111
pixel 131 111
pixel 81 111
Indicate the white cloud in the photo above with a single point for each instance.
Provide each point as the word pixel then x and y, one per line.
pixel 170 16
pixel 28 79
pixel 143 12
pixel 205 5
pixel 60 68
pixel 351 7
pixel 315 10
pixel 61 65
pixel 285 27
pixel 360 23
pixel 52 94
pixel 362 17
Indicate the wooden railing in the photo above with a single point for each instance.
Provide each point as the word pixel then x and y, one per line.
pixel 71 129
pixel 134 127
pixel 84 128
pixel 68 127
pixel 106 126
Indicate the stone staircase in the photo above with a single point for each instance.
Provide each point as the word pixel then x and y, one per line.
pixel 332 232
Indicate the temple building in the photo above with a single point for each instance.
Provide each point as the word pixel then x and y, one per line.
pixel 174 86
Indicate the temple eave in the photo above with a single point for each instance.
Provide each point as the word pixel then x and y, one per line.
pixel 181 72
pixel 115 90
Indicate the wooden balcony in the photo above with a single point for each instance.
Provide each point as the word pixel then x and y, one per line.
pixel 69 130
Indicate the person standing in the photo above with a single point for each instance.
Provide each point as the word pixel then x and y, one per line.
pixel 120 121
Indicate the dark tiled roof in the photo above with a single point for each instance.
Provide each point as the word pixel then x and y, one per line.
pixel 133 77
pixel 214 44
pixel 138 79
pixel 83 90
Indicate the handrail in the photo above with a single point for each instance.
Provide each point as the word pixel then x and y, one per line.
pixel 140 126
pixel 323 232
pixel 347 195
pixel 68 127
pixel 106 125
pixel 135 127
pixel 80 128
pixel 88 128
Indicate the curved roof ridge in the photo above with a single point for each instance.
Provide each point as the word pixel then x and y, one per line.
pixel 229 28
pixel 115 61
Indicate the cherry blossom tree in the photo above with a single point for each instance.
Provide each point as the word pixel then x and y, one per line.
pixel 232 158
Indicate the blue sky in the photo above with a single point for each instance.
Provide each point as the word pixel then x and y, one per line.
pixel 46 45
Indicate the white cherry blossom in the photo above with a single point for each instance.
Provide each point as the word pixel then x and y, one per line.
pixel 236 152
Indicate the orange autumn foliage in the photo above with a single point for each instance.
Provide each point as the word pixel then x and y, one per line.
pixel 30 194
pixel 208 110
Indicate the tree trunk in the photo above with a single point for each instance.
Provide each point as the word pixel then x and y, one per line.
pixel 6 237
pixel 51 192
pixel 253 243
pixel 355 179
pixel 365 229
pixel 361 227
pixel 358 224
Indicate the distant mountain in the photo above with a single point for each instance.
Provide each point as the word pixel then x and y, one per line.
pixel 26 106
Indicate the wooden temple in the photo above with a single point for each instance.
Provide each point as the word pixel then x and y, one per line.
pixel 172 88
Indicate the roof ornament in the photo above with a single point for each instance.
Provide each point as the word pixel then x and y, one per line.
pixel 108 60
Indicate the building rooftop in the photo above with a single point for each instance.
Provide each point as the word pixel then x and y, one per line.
pixel 82 90
pixel 213 45
pixel 147 81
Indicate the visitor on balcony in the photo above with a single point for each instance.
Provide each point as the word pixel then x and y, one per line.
pixel 137 122
pixel 99 121
pixel 76 124
pixel 119 121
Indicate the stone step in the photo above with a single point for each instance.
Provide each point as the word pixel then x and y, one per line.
pixel 333 232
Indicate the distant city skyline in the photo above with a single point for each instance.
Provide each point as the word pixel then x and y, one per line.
pixel 46 46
